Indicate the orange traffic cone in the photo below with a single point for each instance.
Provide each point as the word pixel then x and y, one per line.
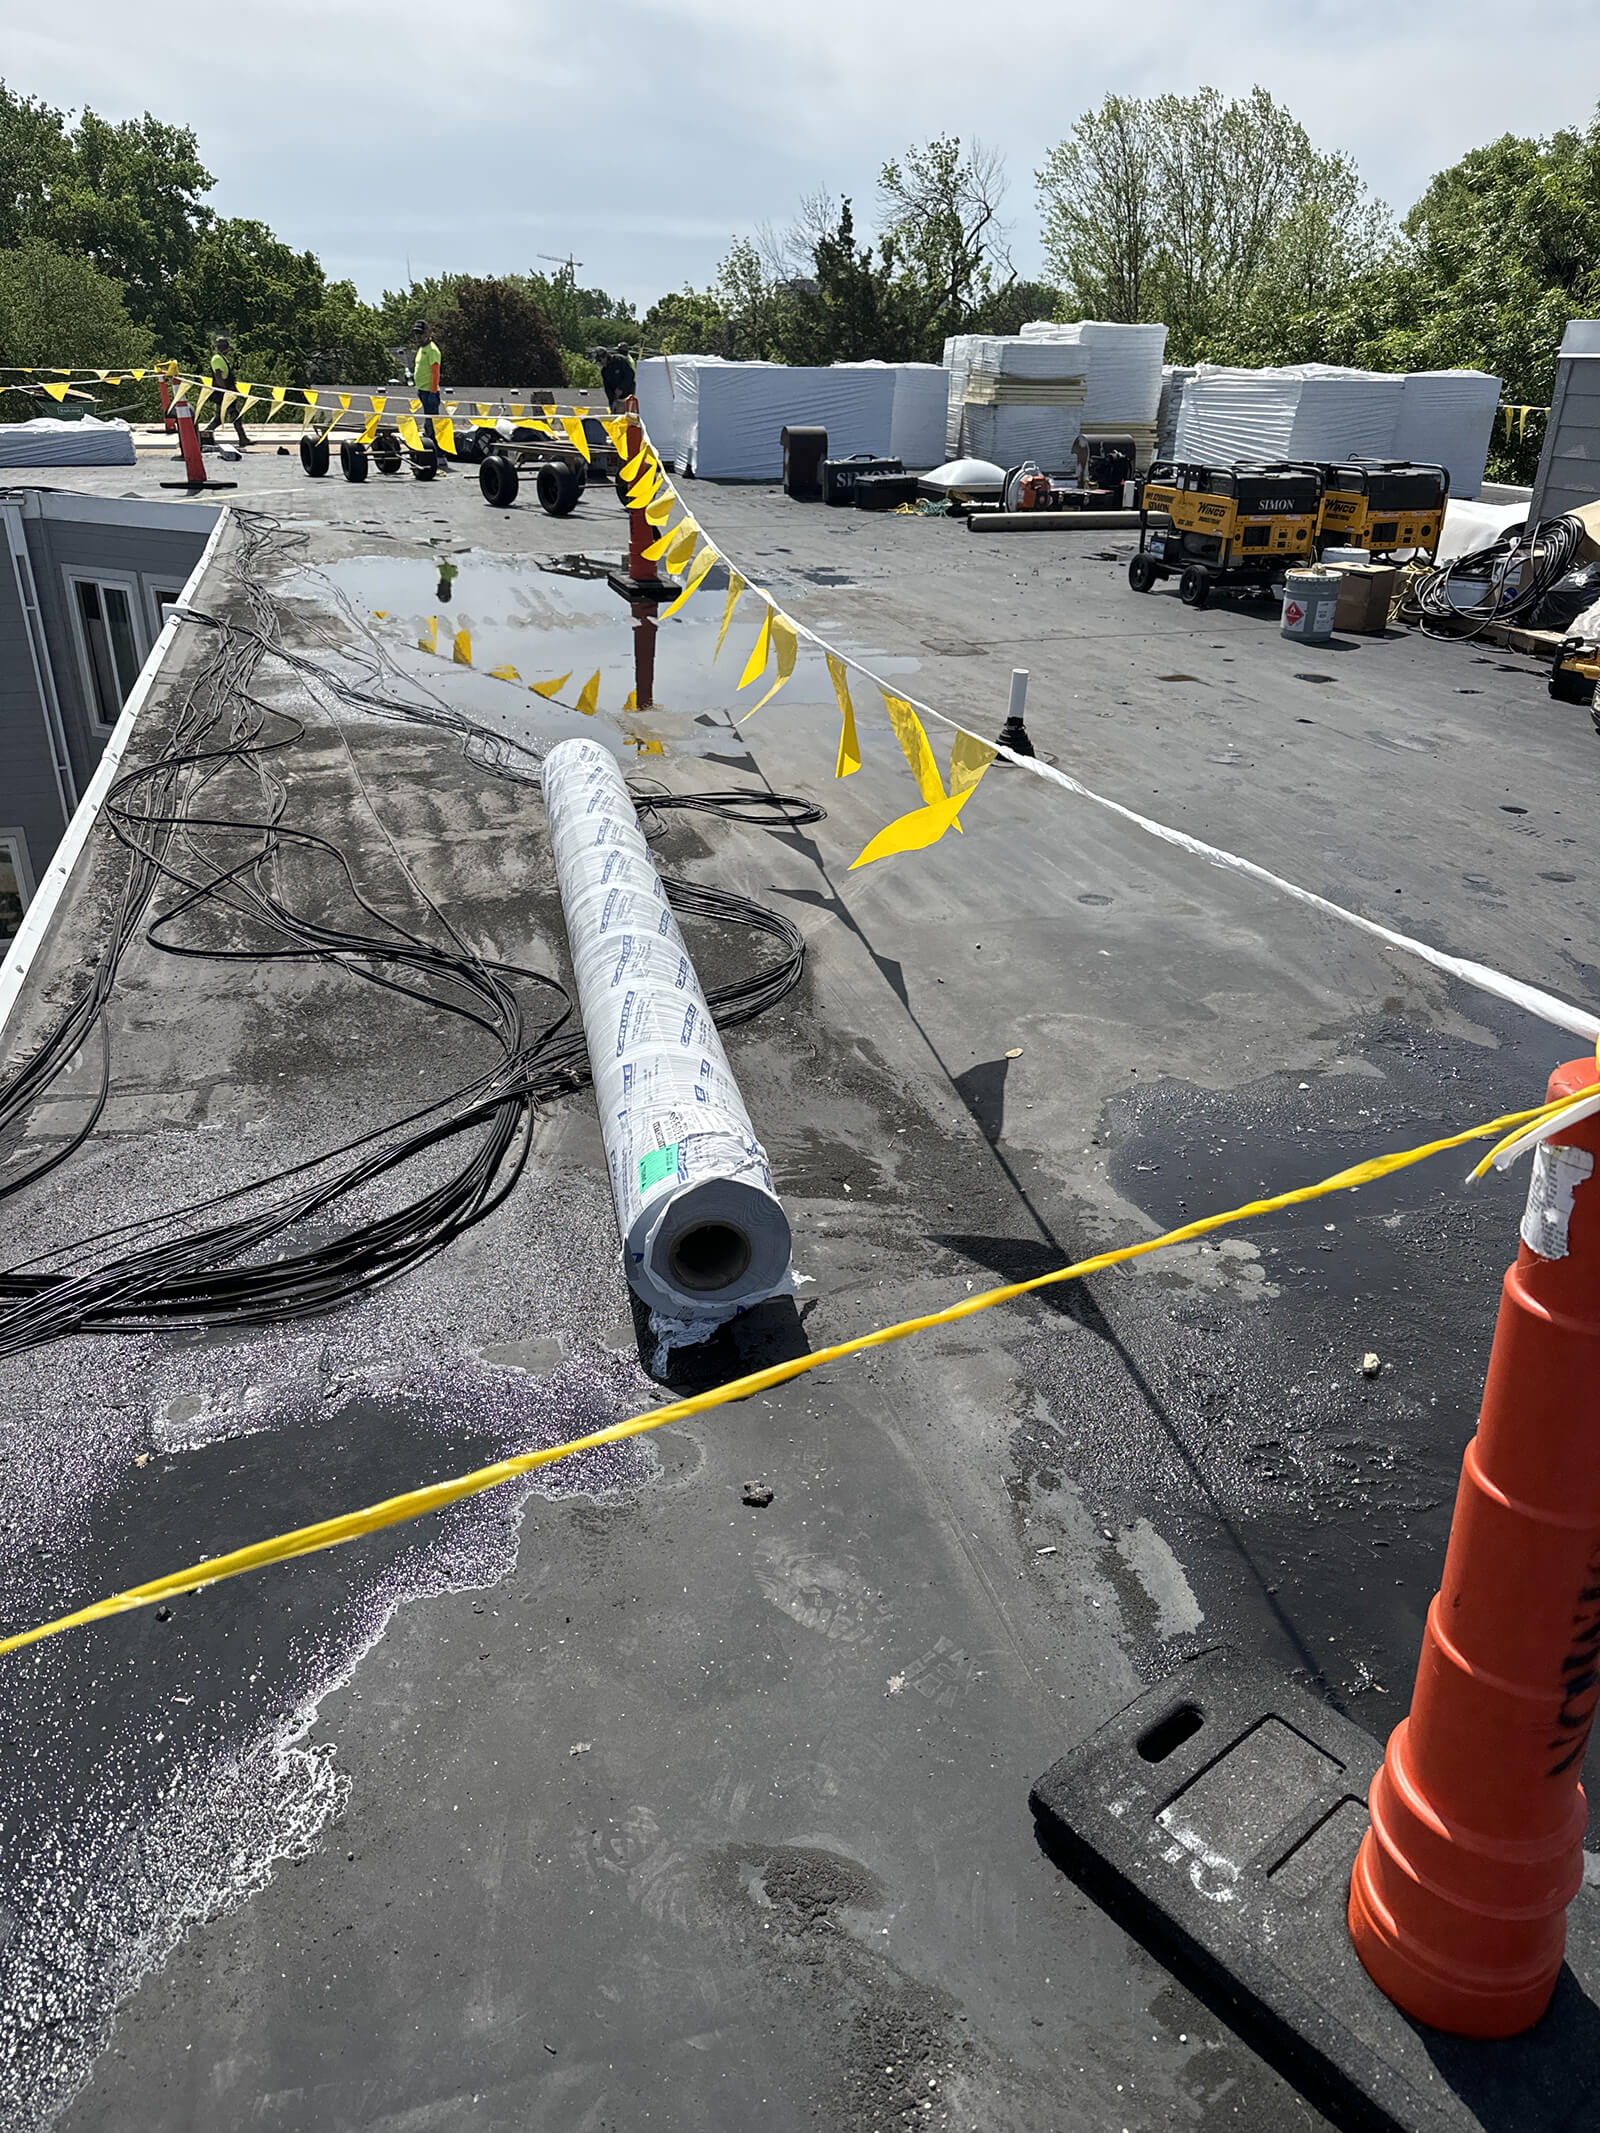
pixel 1459 1896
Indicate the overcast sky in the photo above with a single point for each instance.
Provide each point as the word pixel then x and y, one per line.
pixel 480 134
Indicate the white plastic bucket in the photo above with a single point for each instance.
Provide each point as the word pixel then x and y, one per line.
pixel 1309 599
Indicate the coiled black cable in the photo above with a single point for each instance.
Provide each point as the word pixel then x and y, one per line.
pixel 1515 572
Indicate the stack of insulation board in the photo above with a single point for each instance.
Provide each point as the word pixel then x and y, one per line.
pixel 1121 364
pixel 724 421
pixel 1020 400
pixel 1447 420
pixel 1318 411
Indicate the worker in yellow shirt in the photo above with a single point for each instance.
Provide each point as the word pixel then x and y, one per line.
pixel 425 375
pixel 223 382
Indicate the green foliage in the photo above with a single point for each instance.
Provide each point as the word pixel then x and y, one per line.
pixel 942 220
pixel 582 318
pixel 1009 309
pixel 688 322
pixel 399 309
pixel 582 370
pixel 1219 217
pixel 495 334
pixel 34 157
pixel 56 310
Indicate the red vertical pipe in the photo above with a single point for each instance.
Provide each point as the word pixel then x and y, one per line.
pixel 194 465
pixel 1459 1895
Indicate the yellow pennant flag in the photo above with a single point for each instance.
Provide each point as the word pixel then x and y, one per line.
pixel 549 413
pixel 916 831
pixel 785 642
pixel 644 488
pixel 450 406
pixel 547 689
pixel 481 405
pixel 344 402
pixel 137 376
pixel 56 392
pixel 575 431
pixel 969 759
pixel 848 759
pixel 663 541
pixel 634 467
pixel 445 430
pixel 411 434
pixel 589 696
pixel 380 614
pixel 379 402
pixel 914 745
pixel 371 429
pixel 681 547
pixel 430 643
pixel 516 407
pixel 225 404
pixel 461 651
pixel 692 583
pixel 616 428
pixel 278 392
pixel 197 410
pixel 659 509
pixel 756 665
pixel 246 388
pixel 631 703
pixel 505 674
pixel 736 586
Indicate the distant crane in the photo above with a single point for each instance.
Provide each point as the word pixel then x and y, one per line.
pixel 572 265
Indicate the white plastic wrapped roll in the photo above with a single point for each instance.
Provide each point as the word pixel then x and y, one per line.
pixel 703 1233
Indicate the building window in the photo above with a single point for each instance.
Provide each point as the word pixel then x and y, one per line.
pixel 16 882
pixel 110 641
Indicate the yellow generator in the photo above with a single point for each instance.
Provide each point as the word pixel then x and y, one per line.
pixel 1231 526
pixel 1382 505
pixel 1575 672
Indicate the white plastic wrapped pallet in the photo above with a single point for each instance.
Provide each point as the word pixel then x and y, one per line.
pixel 1315 411
pixel 658 404
pixel 917 428
pixel 48 441
pixel 703 1232
pixel 1447 419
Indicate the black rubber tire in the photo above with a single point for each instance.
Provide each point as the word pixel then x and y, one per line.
pixel 387 456
pixel 559 487
pixel 1570 688
pixel 497 478
pixel 425 464
pixel 314 455
pixel 475 447
pixel 1141 572
pixel 1194 587
pixel 353 460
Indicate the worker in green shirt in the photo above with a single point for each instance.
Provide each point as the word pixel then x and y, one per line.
pixel 425 375
pixel 224 381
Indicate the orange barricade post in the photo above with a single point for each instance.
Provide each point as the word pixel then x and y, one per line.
pixel 1458 1900
pixel 640 536
pixel 194 465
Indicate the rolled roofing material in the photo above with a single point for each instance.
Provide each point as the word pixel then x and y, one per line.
pixel 703 1232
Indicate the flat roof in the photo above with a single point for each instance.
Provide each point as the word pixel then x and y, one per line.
pixel 657 1806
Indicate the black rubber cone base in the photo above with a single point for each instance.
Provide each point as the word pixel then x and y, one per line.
pixel 1217 1819
pixel 642 588
pixel 194 487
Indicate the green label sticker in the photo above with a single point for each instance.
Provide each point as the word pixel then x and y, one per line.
pixel 658 1164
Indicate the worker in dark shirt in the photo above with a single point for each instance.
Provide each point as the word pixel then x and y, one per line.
pixel 616 376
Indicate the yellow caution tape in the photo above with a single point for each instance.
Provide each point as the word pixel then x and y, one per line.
pixel 417 1503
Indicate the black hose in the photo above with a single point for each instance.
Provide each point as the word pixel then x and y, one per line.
pixel 1515 572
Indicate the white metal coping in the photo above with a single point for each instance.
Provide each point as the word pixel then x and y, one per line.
pixel 36 919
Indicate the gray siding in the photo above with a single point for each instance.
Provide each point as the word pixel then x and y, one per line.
pixel 29 800
pixel 1569 465
pixel 58 544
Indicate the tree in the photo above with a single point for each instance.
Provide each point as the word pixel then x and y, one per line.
pixel 582 318
pixel 57 310
pixel 493 334
pixel 1098 193
pixel 686 322
pixel 34 156
pixel 942 211
pixel 1010 308
pixel 399 309
pixel 1212 215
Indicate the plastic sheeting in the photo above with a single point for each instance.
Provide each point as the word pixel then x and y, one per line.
pixel 726 419
pixel 49 442
pixel 1447 420
pixel 703 1232
pixel 916 429
pixel 1304 411
pixel 1120 367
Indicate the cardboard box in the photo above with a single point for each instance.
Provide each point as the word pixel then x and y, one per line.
pixel 1365 593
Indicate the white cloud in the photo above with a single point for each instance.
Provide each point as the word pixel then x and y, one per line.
pixel 643 138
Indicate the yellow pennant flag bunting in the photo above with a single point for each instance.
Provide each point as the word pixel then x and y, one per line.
pixel 848 759
pixel 631 469
pixel 644 488
pixel 278 392
pixel 914 745
pixel 344 402
pixel 505 674
pixel 547 689
pixel 736 586
pixel 461 651
pixel 411 434
pixel 693 582
pixel 445 430
pixel 663 541
pixel 916 831
pixel 756 665
pixel 379 402
pixel 659 508
pixel 589 696
pixel 681 547
pixel 56 392
pixel 369 432
pixel 785 642
pixel 430 643
pixel 969 759
pixel 575 431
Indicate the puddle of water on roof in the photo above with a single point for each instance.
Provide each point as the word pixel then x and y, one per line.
pixel 546 622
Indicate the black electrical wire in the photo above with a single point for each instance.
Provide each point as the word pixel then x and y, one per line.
pixel 224 867
pixel 1514 573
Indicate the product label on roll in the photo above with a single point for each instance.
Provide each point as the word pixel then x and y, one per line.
pixel 659 1165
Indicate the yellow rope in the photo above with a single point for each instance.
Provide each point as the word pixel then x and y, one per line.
pixel 416 1503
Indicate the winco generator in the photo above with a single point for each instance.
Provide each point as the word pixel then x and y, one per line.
pixel 1383 505
pixel 1231 526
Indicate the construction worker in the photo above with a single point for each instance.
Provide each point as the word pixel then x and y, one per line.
pixel 224 381
pixel 425 375
pixel 616 377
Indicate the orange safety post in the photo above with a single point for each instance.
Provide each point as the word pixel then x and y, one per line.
pixel 641 534
pixel 1459 1895
pixel 165 388
pixel 194 465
